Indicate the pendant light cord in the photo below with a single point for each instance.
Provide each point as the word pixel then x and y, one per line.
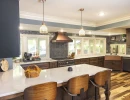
pixel 43 10
pixel 81 19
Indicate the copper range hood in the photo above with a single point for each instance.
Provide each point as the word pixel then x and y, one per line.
pixel 61 37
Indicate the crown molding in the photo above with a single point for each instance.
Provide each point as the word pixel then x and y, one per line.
pixel 114 21
pixel 34 16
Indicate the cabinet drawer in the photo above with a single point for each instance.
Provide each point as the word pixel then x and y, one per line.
pixel 101 59
pixel 101 63
pixel 85 61
pixel 77 61
pixel 94 59
pixel 43 65
pixel 95 63
pixel 115 65
pixel 53 64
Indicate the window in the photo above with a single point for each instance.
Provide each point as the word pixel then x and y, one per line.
pixel 78 47
pixel 42 47
pixel 35 44
pixel 32 45
pixel 71 47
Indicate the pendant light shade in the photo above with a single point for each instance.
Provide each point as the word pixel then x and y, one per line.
pixel 82 31
pixel 43 28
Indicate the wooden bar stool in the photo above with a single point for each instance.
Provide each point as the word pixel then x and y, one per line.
pixel 100 80
pixel 46 91
pixel 77 85
pixel 127 97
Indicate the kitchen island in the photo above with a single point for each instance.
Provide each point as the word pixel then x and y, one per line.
pixel 13 82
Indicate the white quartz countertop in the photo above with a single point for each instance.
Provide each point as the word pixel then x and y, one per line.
pixel 14 81
pixel 41 61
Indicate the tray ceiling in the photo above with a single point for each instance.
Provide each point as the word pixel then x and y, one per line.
pixel 68 9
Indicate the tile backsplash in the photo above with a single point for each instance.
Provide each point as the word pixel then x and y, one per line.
pixel 58 50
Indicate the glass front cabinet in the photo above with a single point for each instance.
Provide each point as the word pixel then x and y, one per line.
pixel 87 46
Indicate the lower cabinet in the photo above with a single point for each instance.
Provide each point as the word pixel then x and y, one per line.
pixel 44 65
pixel 53 64
pixel 101 61
pixel 115 65
pixel 94 61
pixel 77 61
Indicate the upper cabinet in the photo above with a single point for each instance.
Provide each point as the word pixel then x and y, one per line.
pixel 9 28
pixel 87 45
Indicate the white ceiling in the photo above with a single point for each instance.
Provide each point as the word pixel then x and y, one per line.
pixel 69 9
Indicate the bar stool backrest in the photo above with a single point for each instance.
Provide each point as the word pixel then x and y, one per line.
pixel 46 91
pixel 101 77
pixel 77 83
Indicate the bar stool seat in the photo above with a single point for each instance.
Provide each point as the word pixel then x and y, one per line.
pixel 100 80
pixel 77 85
pixel 46 91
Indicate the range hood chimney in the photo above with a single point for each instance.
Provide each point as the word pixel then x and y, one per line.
pixel 61 37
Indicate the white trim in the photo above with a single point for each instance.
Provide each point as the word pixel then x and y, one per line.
pixel 24 43
pixel 34 16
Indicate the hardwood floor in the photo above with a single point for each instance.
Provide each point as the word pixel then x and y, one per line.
pixel 120 86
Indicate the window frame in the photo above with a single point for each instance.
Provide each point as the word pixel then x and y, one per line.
pixel 25 38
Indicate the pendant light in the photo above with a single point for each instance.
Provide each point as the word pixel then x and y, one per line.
pixel 43 28
pixel 82 31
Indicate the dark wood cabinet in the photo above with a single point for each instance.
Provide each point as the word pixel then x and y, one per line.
pixel 77 61
pixel 53 64
pixel 128 38
pixel 9 29
pixel 113 62
pixel 126 64
pixel 84 61
pixel 44 65
pixel 101 61
pixel 94 61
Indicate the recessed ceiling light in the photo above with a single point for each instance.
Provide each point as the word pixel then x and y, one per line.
pixel 101 13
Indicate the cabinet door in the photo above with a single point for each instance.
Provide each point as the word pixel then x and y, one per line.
pixel 128 38
pixel 9 28
pixel 53 64
pixel 77 61
pixel 115 65
pixel 44 65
